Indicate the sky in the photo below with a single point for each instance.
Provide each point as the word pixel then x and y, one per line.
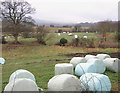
pixel 75 11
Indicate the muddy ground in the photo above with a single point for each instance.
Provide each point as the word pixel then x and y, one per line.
pixel 113 55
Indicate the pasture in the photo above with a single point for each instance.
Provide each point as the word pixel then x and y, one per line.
pixel 41 59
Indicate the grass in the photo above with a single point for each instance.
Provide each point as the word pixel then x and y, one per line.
pixel 40 60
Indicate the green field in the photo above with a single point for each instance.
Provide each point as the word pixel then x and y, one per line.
pixel 55 38
pixel 40 59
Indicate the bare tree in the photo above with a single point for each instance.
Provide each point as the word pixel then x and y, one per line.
pixel 17 14
pixel 103 28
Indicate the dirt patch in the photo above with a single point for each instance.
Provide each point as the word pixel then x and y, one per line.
pixel 30 63
pixel 113 55
pixel 34 43
pixel 59 59
pixel 10 47
pixel 50 60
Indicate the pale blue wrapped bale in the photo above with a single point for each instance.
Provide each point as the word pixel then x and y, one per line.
pixel 99 65
pixel 95 82
pixel 2 60
pixel 83 68
pixel 70 34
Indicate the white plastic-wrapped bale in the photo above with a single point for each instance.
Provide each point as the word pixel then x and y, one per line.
pixel 64 82
pixel 63 68
pixel 21 84
pixel 112 64
pixel 87 57
pixel 21 74
pixel 77 60
pixel 2 60
pixel 95 82
pixel 70 34
pixel 99 65
pixel 85 37
pixel 103 56
pixel 83 68
pixel 58 34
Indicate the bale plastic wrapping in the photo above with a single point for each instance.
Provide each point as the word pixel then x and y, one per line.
pixel 112 64
pixel 63 68
pixel 87 57
pixel 83 68
pixel 77 60
pixel 70 34
pixel 103 56
pixel 21 84
pixel 21 74
pixel 95 82
pixel 99 64
pixel 2 60
pixel 64 82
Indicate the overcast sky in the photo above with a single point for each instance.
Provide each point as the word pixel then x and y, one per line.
pixel 75 11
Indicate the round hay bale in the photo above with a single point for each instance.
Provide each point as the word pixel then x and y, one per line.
pixel 21 84
pixel 64 82
pixel 77 60
pixel 103 56
pixel 95 82
pixel 85 37
pixel 87 57
pixel 63 68
pixel 99 64
pixel 83 68
pixel 112 64
pixel 70 34
pixel 21 74
pixel 2 60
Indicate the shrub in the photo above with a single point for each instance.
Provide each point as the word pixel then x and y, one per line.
pixel 63 41
pixel 25 35
pixel 90 43
pixel 3 40
pixel 42 34
pixel 117 36
pixel 83 42
pixel 108 44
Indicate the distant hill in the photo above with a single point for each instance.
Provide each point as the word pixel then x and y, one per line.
pixel 86 24
pixel 48 23
pixel 56 24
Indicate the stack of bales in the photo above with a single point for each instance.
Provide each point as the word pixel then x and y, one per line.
pixel 64 80
pixel 21 80
pixel 90 68
pixel 91 71
pixel 93 65
pixel 111 64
